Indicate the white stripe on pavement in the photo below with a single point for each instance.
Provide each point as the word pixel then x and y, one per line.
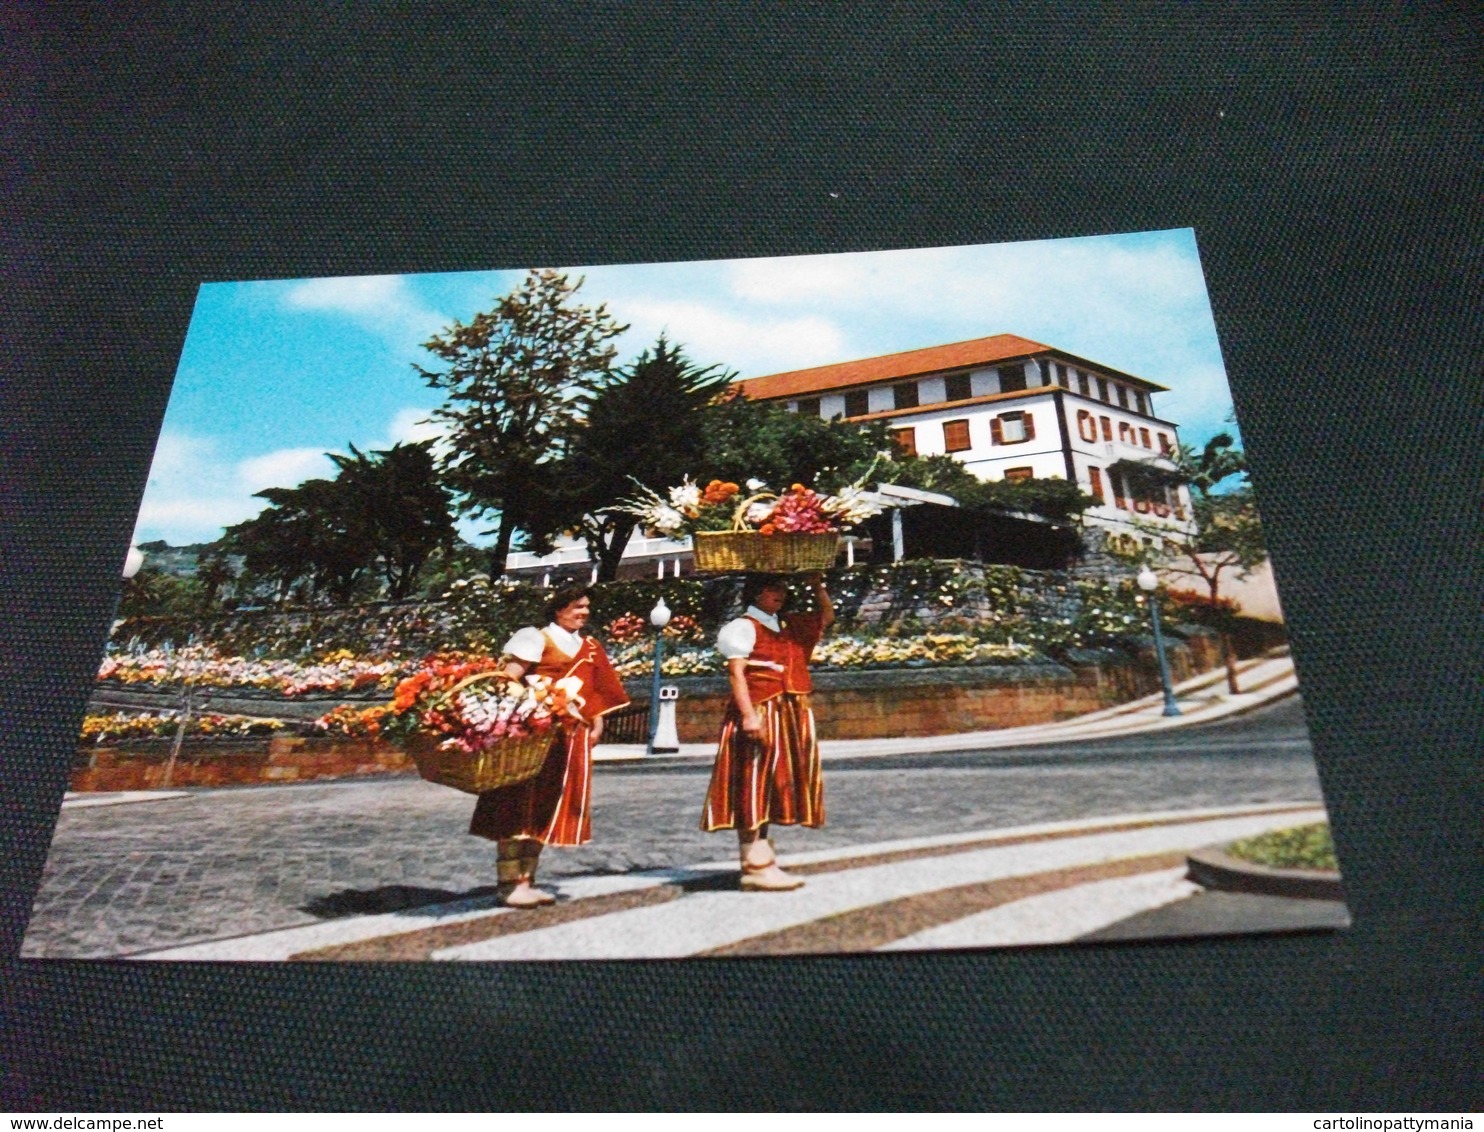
pixel 704 921
pixel 79 800
pixel 286 942
pixel 1055 917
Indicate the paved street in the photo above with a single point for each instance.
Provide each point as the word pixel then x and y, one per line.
pixel 207 864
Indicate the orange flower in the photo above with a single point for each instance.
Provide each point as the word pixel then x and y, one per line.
pixel 767 529
pixel 408 691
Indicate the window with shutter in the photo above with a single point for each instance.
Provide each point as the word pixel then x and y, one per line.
pixel 956 435
pixel 1107 427
pixel 1125 433
pixel 1029 424
pixel 957 387
pixel 857 403
pixel 1164 443
pixel 808 406
pixel 1096 478
pixel 1144 438
pixel 904 396
pixel 1009 428
pixel 1087 426
pixel 906 440
pixel 1019 475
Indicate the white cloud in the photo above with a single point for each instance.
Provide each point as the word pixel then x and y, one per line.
pixel 287 467
pixel 194 490
pixel 410 426
pixel 352 294
pixel 381 303
pixel 752 343
pixel 1138 305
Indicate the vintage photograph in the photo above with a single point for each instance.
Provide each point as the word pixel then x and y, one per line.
pixel 876 601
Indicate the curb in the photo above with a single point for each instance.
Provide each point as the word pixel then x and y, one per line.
pixel 1213 869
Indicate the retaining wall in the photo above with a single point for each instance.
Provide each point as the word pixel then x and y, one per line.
pixel 892 703
pixel 247 762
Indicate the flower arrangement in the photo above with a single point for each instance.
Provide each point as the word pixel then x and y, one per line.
pixel 720 506
pixel 472 706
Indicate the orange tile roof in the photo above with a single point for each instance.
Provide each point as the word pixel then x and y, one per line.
pixel 910 363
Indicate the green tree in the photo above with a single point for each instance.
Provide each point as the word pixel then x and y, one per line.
pixel 763 440
pixel 1217 460
pixel 1227 541
pixel 400 507
pixel 518 379
pixel 317 532
pixel 153 593
pixel 1225 537
pixel 647 425
pixel 1051 498
pixel 214 573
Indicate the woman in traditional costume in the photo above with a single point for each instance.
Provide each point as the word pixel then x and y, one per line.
pixel 554 807
pixel 767 761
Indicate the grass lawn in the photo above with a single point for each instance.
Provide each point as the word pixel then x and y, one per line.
pixel 1302 847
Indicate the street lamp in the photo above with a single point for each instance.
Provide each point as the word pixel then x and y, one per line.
pixel 659 617
pixel 1149 582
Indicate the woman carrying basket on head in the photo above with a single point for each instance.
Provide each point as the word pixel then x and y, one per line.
pixel 767 761
pixel 554 807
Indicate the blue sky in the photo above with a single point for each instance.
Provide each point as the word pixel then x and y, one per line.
pixel 275 374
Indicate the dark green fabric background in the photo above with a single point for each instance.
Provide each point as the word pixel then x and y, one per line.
pixel 1329 162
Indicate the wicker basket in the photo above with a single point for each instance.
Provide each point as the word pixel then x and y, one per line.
pixel 505 764
pixel 725 552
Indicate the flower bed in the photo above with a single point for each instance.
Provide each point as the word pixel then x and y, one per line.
pixel 202 666
pixel 906 614
pixel 122 728
pixel 1301 847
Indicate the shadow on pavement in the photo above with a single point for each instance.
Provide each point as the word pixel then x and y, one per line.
pixel 388 898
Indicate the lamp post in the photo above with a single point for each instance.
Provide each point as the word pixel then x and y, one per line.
pixel 1149 582
pixel 659 617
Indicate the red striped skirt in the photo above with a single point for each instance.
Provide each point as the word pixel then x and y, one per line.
pixel 554 807
pixel 773 778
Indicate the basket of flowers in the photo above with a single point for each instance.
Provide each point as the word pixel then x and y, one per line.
pixel 793 531
pixel 471 726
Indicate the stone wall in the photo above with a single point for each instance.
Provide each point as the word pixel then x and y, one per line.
pixel 219 762
pixel 901 703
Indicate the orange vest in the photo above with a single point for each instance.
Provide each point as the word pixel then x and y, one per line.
pixel 779 662
pixel 602 691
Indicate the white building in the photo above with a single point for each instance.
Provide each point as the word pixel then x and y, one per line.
pixel 1005 406
pixel 1009 408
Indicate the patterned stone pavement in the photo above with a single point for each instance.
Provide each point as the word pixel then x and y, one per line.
pixel 214 863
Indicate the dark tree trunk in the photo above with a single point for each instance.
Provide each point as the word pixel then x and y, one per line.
pixel 501 550
pixel 610 549
pixel 1228 656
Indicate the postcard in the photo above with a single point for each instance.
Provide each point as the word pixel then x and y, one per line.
pixel 866 602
